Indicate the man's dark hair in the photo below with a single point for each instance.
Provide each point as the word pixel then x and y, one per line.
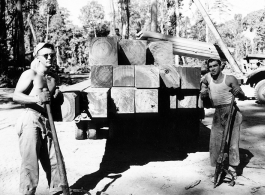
pixel 213 60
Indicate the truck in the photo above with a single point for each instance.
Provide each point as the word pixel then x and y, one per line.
pixel 256 75
pixel 135 91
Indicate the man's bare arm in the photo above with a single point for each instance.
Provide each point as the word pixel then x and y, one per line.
pixel 24 82
pixel 204 87
pixel 236 89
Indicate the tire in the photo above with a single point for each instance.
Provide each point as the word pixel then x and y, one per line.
pixel 80 130
pixel 80 134
pixel 260 91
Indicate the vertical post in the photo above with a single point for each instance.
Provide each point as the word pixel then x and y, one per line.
pixel 223 47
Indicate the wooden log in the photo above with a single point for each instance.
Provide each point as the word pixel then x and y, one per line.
pixel 71 105
pixel 103 51
pixel 188 102
pixel 190 77
pixel 123 98
pixel 169 75
pixel 132 52
pixel 123 76
pixel 147 76
pixel 190 45
pixel 146 101
pixel 97 102
pixel 76 87
pixel 162 52
pixel 173 102
pixel 101 76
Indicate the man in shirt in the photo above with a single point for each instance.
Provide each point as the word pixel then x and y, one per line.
pixel 220 88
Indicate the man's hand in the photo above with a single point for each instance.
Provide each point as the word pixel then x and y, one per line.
pixel 204 93
pixel 237 92
pixel 44 96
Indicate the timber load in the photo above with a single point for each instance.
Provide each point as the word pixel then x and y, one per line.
pixel 185 47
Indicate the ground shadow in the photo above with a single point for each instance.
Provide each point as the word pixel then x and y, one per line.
pixel 142 139
pixel 245 156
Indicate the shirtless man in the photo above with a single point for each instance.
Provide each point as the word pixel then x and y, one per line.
pixel 220 88
pixel 33 127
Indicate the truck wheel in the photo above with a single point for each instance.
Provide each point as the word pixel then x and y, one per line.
pixel 260 91
pixel 80 129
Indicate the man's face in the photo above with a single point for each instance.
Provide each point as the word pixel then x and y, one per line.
pixel 214 68
pixel 46 56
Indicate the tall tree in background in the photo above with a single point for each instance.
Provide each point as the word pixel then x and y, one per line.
pixel 154 15
pixel 125 17
pixel 20 47
pixel 92 14
pixel 2 35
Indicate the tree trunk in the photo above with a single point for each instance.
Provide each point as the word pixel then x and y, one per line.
pixel 125 15
pixel 113 26
pixel 2 21
pixel 162 7
pixel 2 34
pixel 20 35
pixel 154 15
pixel 32 29
pixel 177 27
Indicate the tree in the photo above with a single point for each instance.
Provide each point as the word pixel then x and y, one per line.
pixel 92 14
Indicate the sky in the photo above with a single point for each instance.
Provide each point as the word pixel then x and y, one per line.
pixel 238 6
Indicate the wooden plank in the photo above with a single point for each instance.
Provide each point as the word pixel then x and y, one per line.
pixel 132 52
pixel 103 51
pixel 146 101
pixel 188 102
pixel 190 77
pixel 97 102
pixel 123 76
pixel 123 98
pixel 169 75
pixel 76 87
pixel 162 52
pixel 147 76
pixel 101 76
pixel 173 102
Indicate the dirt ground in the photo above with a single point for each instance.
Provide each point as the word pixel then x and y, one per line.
pixel 139 169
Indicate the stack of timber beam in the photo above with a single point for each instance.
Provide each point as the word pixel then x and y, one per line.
pixel 135 86
pixel 185 47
